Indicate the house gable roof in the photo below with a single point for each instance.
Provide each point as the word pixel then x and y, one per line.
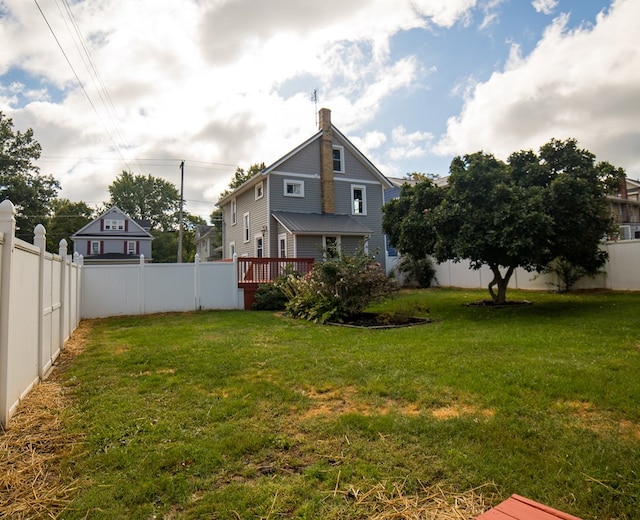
pixel 135 229
pixel 274 166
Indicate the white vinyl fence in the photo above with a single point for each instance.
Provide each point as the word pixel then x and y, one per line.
pixel 621 273
pixel 39 296
pixel 117 290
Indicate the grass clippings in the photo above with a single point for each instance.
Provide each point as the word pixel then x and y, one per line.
pixel 432 503
pixel 31 483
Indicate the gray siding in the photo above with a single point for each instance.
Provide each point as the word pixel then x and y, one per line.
pixel 310 203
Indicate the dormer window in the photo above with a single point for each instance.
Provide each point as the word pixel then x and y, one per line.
pixel 338 159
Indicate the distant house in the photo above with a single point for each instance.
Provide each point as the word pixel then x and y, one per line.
pixel 625 207
pixel 323 194
pixel 207 241
pixel 114 238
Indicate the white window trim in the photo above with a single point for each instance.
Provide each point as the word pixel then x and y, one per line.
pixel 113 224
pixel 338 242
pixel 92 248
pixel 234 211
pixel 259 190
pixel 232 249
pixel 246 229
pixel 292 182
pixel 129 243
pixel 363 188
pixel 282 236
pixel 256 237
pixel 341 150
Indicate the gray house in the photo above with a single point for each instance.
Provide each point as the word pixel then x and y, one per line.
pixel 323 194
pixel 114 238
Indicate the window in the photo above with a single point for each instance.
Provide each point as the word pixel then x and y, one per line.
pixel 293 188
pixel 259 190
pixel 338 159
pixel 95 247
pixel 358 200
pixel 232 249
pixel 246 227
pixel 113 225
pixel 282 246
pixel 131 247
pixel 259 246
pixel 234 211
pixel 331 245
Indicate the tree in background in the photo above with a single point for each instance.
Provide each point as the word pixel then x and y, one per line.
pixel 523 213
pixel 241 176
pixel 20 180
pixel 67 218
pixel 147 198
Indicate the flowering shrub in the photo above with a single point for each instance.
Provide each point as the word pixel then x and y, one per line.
pixel 337 289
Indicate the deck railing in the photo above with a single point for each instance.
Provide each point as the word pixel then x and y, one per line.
pixel 263 270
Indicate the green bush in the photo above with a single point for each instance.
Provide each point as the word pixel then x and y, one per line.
pixel 337 289
pixel 269 297
pixel 418 270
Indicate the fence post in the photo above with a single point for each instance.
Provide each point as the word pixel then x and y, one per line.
pixel 196 281
pixel 235 283
pixel 40 241
pixel 141 294
pixel 64 301
pixel 8 229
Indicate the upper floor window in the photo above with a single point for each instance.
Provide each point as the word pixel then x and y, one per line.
pixel 338 159
pixel 246 227
pixel 293 188
pixel 259 190
pixel 113 225
pixel 234 211
pixel 358 200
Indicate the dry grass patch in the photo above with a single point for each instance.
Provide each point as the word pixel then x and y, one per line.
pixel 432 503
pixel 31 484
pixel 599 421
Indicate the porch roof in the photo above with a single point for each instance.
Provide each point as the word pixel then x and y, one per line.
pixel 320 224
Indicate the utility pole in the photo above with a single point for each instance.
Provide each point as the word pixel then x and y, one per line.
pixel 180 218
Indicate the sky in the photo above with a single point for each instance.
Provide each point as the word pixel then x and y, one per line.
pixel 141 85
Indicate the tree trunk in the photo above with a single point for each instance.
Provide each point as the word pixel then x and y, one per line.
pixel 501 282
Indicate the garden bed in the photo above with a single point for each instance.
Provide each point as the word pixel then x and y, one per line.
pixel 372 320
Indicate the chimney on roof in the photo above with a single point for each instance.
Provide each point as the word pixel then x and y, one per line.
pixel 326 161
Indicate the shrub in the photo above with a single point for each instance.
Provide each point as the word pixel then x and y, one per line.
pixel 269 297
pixel 337 289
pixel 418 270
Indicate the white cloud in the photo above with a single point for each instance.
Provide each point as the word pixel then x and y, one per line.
pixel 200 80
pixel 544 6
pixel 414 144
pixel 582 83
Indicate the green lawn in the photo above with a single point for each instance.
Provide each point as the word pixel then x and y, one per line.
pixel 253 415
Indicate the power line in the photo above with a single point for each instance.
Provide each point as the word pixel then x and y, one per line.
pixel 81 84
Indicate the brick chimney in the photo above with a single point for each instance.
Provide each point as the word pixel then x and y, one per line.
pixel 326 161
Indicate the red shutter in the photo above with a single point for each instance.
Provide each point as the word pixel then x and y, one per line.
pixel 137 247
pixel 101 224
pixel 125 247
pixel 102 247
pixel 88 247
pixel 126 226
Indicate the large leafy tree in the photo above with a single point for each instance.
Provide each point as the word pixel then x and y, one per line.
pixel 240 176
pixel 147 197
pixel 20 180
pixel 524 213
pixel 67 218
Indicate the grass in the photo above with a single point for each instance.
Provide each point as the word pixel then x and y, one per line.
pixel 253 415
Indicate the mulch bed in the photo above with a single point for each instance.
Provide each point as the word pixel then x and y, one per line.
pixel 370 320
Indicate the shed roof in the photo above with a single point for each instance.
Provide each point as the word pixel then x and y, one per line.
pixel 320 224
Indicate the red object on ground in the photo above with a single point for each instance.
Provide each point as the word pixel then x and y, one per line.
pixel 521 508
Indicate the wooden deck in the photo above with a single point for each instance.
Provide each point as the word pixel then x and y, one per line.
pixel 521 508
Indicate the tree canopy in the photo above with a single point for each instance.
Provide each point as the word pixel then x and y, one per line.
pixel 240 176
pixel 147 198
pixel 67 218
pixel 20 180
pixel 521 213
